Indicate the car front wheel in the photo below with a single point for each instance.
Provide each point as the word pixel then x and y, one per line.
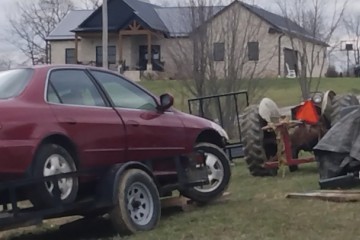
pixel 219 174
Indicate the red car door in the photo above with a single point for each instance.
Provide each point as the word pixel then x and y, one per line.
pixel 150 134
pixel 86 117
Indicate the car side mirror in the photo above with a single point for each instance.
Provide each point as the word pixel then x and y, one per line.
pixel 166 102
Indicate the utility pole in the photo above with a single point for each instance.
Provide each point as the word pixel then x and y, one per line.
pixel 105 34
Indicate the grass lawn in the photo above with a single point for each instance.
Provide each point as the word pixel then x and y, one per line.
pixel 256 209
pixel 284 92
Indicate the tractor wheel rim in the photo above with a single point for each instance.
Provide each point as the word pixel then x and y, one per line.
pixel 215 173
pixel 140 204
pixel 56 164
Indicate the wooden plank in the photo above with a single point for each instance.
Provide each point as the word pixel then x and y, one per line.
pixel 186 204
pixel 333 196
pixel 134 32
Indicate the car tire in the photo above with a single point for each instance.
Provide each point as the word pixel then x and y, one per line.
pixel 216 161
pixel 52 159
pixel 138 206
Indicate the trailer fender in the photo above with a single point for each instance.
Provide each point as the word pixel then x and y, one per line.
pixel 107 190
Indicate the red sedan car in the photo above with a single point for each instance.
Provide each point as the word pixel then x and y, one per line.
pixel 58 119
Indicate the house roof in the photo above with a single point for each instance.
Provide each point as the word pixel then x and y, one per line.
pixel 172 21
pixel 283 24
pixel 70 21
pixel 179 21
pixel 121 12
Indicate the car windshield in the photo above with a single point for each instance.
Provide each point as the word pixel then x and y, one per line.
pixel 13 82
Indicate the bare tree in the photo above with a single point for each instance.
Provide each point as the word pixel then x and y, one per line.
pixel 6 63
pixel 33 22
pixel 320 24
pixel 352 24
pixel 90 4
pixel 221 53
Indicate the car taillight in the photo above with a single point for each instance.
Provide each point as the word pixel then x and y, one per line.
pixel 198 157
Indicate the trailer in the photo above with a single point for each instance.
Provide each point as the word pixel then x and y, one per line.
pixel 128 192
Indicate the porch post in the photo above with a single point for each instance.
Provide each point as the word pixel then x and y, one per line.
pixel 149 64
pixel 76 48
pixel 120 48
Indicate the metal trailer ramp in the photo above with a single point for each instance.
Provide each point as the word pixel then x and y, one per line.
pixel 224 109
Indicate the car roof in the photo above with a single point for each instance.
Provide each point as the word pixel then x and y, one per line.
pixel 74 66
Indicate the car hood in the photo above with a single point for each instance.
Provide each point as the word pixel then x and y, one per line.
pixel 201 123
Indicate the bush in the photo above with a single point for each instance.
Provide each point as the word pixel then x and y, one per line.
pixel 331 72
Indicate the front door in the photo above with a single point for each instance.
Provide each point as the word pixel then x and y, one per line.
pixel 291 60
pixel 151 134
pixel 87 119
pixel 155 57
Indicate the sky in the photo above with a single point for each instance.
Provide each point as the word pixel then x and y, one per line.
pixel 8 6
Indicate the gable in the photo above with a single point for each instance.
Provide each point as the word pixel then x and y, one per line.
pixel 121 13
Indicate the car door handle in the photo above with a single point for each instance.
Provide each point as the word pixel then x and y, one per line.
pixel 133 123
pixel 70 121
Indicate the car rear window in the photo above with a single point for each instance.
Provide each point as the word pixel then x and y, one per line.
pixel 13 82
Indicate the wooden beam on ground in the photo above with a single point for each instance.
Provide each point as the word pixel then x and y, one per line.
pixel 186 204
pixel 331 196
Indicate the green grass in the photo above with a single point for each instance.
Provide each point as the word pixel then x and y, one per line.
pixel 256 209
pixel 284 92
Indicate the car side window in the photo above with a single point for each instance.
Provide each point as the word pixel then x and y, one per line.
pixel 123 93
pixel 73 87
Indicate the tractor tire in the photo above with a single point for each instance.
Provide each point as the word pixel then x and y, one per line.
pixel 259 146
pixel 338 103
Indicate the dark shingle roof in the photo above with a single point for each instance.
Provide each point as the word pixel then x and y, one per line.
pixel 121 12
pixel 282 23
pixel 173 21
pixel 147 12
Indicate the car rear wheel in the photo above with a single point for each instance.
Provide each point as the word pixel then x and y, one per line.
pixel 138 206
pixel 219 174
pixel 50 160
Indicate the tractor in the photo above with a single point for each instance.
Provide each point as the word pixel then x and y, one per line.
pixel 272 139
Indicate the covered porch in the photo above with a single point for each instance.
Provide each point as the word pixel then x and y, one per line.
pixel 128 49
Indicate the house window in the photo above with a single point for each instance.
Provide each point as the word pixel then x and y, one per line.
pixel 253 51
pixel 111 55
pixel 70 56
pixel 219 52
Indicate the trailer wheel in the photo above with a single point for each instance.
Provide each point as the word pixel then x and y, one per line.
pixel 53 159
pixel 138 205
pixel 219 172
pixel 259 146
pixel 338 103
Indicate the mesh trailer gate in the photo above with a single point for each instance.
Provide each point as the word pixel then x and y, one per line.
pixel 225 110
